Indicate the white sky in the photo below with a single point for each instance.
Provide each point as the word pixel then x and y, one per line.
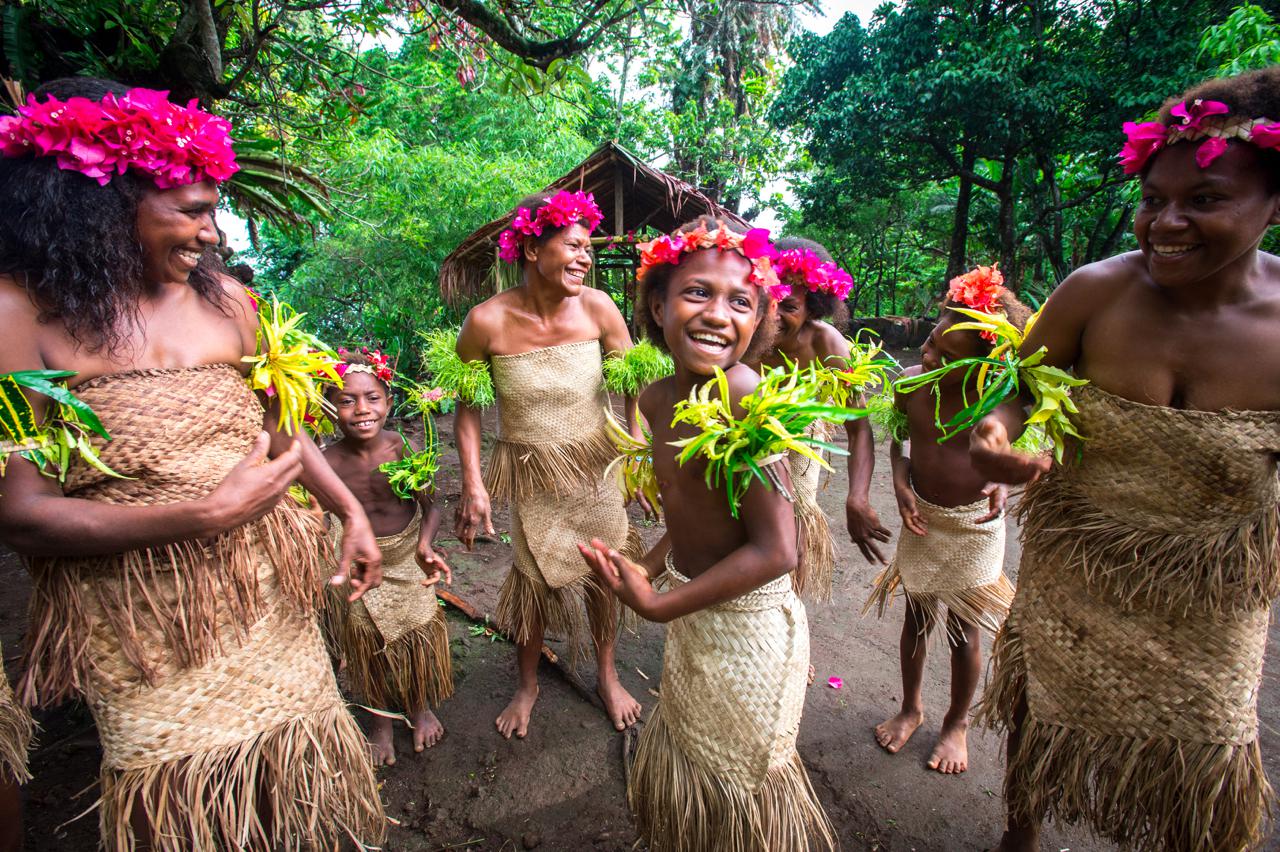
pixel 833 10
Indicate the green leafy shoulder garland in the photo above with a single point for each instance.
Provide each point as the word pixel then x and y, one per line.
pixel 416 471
pixel 468 381
pixel 66 429
pixel 1002 374
pixel 641 366
pixel 839 380
pixel 738 450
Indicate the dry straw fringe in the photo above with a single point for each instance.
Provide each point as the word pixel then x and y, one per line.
pixel 1171 571
pixel 179 587
pixel 306 784
pixel 412 673
pixel 679 806
pixel 815 574
pixel 16 731
pixel 986 605
pixel 519 471
pixel 1148 795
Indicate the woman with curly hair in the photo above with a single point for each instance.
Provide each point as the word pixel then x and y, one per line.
pixel 174 592
pixel 1127 673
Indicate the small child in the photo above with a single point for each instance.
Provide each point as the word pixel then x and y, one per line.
pixel 818 290
pixel 716 766
pixel 951 552
pixel 394 639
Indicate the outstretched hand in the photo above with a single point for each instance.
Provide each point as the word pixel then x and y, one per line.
pixel 472 515
pixel 865 530
pixel 626 579
pixel 996 459
pixel 997 495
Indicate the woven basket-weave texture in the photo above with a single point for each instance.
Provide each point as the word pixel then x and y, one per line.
pixel 716 766
pixel 201 661
pixel 1137 633
pixel 815 574
pixel 394 638
pixel 16 729
pixel 957 568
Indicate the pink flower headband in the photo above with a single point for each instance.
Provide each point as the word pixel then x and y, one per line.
pixel 803 266
pixel 561 210
pixel 380 368
pixel 754 245
pixel 979 290
pixel 1200 120
pixel 141 130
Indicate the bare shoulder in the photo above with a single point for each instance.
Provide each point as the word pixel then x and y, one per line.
pixel 742 382
pixel 20 318
pixel 828 342
pixel 243 309
pixel 1100 282
pixel 655 397
pixel 482 324
pixel 600 305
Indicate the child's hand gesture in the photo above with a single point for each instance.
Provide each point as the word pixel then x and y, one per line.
pixel 996 459
pixel 432 564
pixel 997 495
pixel 907 507
pixel 626 579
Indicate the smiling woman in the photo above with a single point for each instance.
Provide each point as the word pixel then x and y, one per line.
pixel 174 589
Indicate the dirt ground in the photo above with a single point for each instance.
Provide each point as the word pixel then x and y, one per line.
pixel 563 787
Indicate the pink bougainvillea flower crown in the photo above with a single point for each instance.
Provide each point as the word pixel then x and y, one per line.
pixel 1210 121
pixel 754 245
pixel 561 210
pixel 380 368
pixel 140 130
pixel 979 289
pixel 801 267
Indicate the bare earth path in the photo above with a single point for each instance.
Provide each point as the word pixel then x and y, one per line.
pixel 563 787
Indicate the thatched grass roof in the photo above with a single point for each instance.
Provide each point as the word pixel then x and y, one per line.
pixel 631 194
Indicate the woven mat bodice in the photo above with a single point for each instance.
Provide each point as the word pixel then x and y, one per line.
pixel 552 395
pixel 176 432
pixel 1174 470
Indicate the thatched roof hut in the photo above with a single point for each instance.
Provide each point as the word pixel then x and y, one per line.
pixel 632 196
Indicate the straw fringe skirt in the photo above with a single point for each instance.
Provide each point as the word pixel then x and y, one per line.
pixel 816 573
pixel 716 767
pixel 958 568
pixel 16 731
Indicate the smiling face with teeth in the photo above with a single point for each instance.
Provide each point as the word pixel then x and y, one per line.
pixel 562 261
pixel 175 226
pixel 1203 226
pixel 708 311
pixel 363 403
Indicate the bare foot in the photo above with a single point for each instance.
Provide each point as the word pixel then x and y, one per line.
pixel 892 734
pixel 951 754
pixel 812 673
pixel 382 742
pixel 515 719
pixel 427 729
pixel 1019 840
pixel 623 710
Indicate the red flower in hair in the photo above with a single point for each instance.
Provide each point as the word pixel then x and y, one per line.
pixel 978 289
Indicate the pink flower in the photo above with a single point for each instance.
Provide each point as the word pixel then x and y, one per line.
pixel 1142 141
pixel 755 243
pixel 508 246
pixel 1210 150
pixel 1264 135
pixel 835 682
pixel 433 395
pixel 1198 111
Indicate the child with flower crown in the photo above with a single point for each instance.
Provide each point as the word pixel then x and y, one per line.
pixel 815 290
pixel 394 639
pixel 1127 674
pixel 547 352
pixel 949 564
pixel 716 766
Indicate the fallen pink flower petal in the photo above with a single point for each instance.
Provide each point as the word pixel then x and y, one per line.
pixel 835 682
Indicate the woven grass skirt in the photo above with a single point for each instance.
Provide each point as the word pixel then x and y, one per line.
pixel 395 638
pixel 815 574
pixel 16 730
pixel 958 568
pixel 716 767
pixel 1136 638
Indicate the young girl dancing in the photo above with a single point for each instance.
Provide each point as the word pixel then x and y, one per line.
pixel 716 766
pixel 951 552
pixel 1128 671
pixel 394 639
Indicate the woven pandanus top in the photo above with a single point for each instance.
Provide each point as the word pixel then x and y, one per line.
pixel 550 396
pixel 177 432
pixel 1211 469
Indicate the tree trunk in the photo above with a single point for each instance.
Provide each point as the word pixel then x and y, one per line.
pixel 957 257
pixel 1005 224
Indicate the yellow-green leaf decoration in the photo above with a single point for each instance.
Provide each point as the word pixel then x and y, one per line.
pixel 776 416
pixel 839 380
pixel 641 366
pixel 886 418
pixel 66 430
pixel 468 381
pixel 416 471
pixel 1002 374
pixel 293 366
pixel 634 465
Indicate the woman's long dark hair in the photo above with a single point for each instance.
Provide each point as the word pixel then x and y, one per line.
pixel 74 245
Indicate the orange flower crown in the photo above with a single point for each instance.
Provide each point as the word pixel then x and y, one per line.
pixel 979 289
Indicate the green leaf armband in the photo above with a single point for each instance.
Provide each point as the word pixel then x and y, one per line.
pixel 469 381
pixel 777 415
pixel 642 365
pixel 886 418
pixel 66 430
pixel 840 379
